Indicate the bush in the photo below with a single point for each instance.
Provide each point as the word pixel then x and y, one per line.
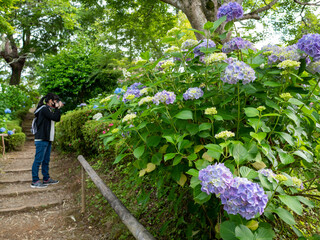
pixel 69 136
pixel 15 141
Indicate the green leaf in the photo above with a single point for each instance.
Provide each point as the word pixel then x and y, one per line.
pixel 248 173
pixel 177 160
pixel 251 112
pixel 208 25
pixel 214 147
pixel 156 158
pixel 192 128
pixel 265 182
pixel 202 198
pixel 169 139
pixel 184 114
pixel 285 158
pixel 306 157
pixel 193 172
pixel 194 182
pixel 286 137
pixel 239 153
pixel 138 151
pixel 264 234
pixel 169 156
pixel 271 115
pixel 258 136
pixel 192 157
pixel 217 23
pixel 273 105
pixel 227 231
pixel 292 116
pixel 120 157
pixel 153 141
pixel 285 216
pixel 197 31
pixel 204 126
pixel 271 84
pixel 295 101
pixel 244 233
pixel 292 202
pixel 306 201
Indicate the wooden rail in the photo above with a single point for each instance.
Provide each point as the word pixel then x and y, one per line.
pixel 137 229
pixel 3 145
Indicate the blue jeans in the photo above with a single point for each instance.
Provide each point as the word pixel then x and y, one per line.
pixel 42 158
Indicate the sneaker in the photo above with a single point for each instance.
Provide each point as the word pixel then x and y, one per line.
pixel 38 184
pixel 50 182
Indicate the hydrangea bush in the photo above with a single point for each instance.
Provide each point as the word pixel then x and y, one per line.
pixel 239 129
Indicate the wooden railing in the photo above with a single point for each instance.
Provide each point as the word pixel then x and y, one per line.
pixel 3 145
pixel 137 229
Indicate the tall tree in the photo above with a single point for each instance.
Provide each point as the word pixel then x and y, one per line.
pixel 200 11
pixel 39 27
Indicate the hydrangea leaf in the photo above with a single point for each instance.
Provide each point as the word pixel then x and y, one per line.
pixel 295 101
pixel 239 153
pixel 156 158
pixel 206 156
pixel 304 156
pixel 264 234
pixel 227 231
pixel 248 173
pixel 218 22
pixel 150 167
pixel 177 160
pixel 198 148
pixel 251 112
pixel 169 156
pixel 252 225
pixel 153 141
pixel 244 233
pixel 138 152
pixel 258 136
pixel 120 157
pixel 192 128
pixel 285 158
pixel 194 181
pixel 204 126
pixel 192 157
pixel 182 180
pixel 142 172
pixel 184 114
pixel 292 202
pixel 285 215
pixel 271 84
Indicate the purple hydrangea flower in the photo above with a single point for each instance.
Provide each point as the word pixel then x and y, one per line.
pixel 83 104
pixel 134 89
pixel 232 10
pixel 314 67
pixel 267 172
pixel 2 130
pixel 236 44
pixel 244 197
pixel 10 132
pixel 204 43
pixel 7 111
pixel 310 44
pixel 238 71
pixel 193 93
pixel 164 97
pixel 278 54
pixel 215 178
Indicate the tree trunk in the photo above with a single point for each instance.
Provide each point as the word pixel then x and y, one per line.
pixel 16 68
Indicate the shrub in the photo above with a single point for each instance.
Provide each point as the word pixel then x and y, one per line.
pixel 15 141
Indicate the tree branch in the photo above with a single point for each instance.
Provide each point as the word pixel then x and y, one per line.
pixel 254 13
pixel 176 3
pixel 307 3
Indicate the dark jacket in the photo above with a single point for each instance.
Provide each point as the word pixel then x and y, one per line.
pixel 44 117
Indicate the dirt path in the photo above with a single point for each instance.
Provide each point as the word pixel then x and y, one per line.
pixel 40 214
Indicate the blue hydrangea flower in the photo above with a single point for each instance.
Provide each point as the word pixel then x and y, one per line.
pixel 238 71
pixel 10 132
pixel 310 44
pixel 204 43
pixel 236 44
pixel 232 10
pixel 164 97
pixel 2 130
pixel 215 179
pixel 244 197
pixel 95 106
pixel 193 93
pixel 7 111
pixel 118 90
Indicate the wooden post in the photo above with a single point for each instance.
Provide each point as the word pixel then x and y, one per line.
pixel 83 190
pixel 3 145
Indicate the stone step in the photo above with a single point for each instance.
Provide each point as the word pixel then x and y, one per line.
pixel 36 200
pixel 18 170
pixel 23 188
pixel 16 178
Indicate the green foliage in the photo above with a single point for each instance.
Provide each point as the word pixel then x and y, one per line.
pixel 15 141
pixel 78 73
pixel 16 98
pixel 69 136
pixel 273 123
